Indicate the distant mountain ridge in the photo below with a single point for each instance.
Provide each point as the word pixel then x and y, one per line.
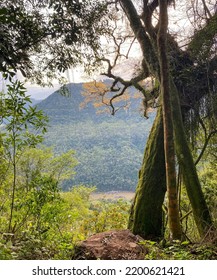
pixel 69 106
pixel 108 148
pixel 35 101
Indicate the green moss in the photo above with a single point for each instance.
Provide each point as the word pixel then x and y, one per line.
pixel 146 211
pixel 199 207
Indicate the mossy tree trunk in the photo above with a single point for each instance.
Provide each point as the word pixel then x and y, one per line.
pixel 146 212
pixel 189 172
pixel 146 217
pixel 169 149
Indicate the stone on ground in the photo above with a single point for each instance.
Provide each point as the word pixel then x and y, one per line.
pixel 111 245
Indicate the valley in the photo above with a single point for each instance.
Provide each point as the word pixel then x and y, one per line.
pixel 109 149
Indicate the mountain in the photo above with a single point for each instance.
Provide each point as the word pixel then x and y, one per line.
pixel 109 148
pixel 35 101
pixel 38 92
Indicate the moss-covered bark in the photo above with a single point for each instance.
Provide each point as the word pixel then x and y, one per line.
pixel 169 148
pixel 146 215
pixel 146 211
pixel 199 207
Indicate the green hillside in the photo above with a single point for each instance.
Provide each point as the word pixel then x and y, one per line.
pixel 109 148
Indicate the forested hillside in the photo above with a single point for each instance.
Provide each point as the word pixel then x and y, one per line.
pixel 109 148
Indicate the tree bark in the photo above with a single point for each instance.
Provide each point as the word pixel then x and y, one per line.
pixel 199 206
pixel 146 216
pixel 169 150
pixel 141 212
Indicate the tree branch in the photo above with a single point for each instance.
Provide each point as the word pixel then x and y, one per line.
pixel 147 48
pixel 205 145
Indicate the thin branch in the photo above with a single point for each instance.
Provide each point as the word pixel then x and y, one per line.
pixel 130 47
pixel 207 139
pixel 186 215
pixel 116 96
pixel 207 11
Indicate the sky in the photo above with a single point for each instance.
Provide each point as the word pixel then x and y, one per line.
pixel 73 75
pixel 38 92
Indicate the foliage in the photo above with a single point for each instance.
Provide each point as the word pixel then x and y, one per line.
pixel 209 178
pixel 179 250
pixel 18 119
pixel 205 152
pixel 43 224
pixel 106 215
pixel 204 39
pixel 40 222
pixel 58 221
pixel 18 116
pixel 42 161
pixel 101 96
pixel 39 175
pixel 208 171
pixel 60 33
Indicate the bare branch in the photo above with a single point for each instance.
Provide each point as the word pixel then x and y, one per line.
pixel 116 96
pixel 138 29
pixel 148 10
pixel 207 138
pixel 207 11
pixel 127 55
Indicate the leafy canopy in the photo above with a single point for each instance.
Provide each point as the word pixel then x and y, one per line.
pixel 44 38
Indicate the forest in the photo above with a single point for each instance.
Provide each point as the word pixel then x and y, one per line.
pixel 147 125
pixel 105 146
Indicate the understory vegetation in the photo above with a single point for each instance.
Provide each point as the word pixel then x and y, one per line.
pixel 57 221
pixel 67 218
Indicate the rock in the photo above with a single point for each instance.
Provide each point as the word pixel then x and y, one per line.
pixel 111 245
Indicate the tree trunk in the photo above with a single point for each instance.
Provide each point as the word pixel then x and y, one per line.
pixel 199 207
pixel 146 193
pixel 146 216
pixel 169 150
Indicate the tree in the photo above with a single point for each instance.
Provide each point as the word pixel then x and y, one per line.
pixel 193 187
pixel 185 68
pixel 44 38
pixel 169 149
pixel 18 120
